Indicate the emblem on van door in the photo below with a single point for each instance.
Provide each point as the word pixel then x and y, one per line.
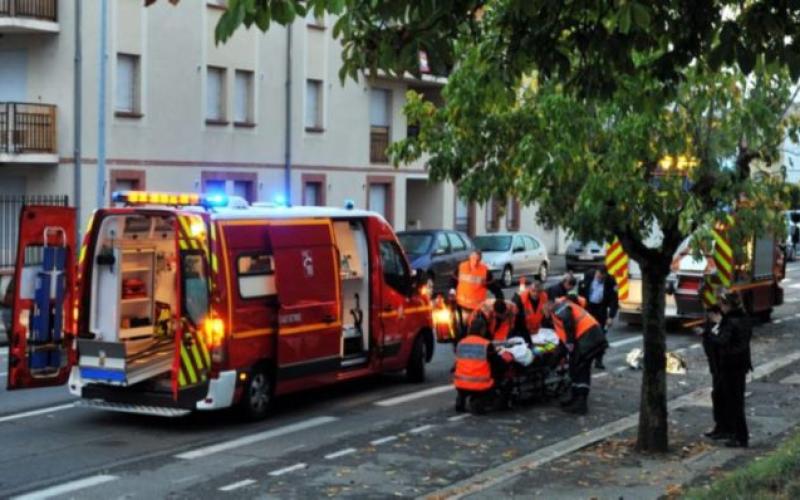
pixel 308 263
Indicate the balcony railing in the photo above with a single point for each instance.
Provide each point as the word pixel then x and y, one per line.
pixel 378 143
pixel 27 128
pixel 46 10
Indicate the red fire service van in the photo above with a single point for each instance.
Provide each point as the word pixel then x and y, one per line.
pixel 184 302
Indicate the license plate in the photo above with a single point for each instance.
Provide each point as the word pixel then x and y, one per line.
pixel 585 257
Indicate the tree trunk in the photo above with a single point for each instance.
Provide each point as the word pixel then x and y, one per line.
pixel 653 404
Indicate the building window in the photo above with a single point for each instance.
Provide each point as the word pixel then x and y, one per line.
pixel 243 98
pixel 512 214
pixel 215 95
pixel 464 216
pixel 313 106
pixel 126 180
pixel 126 98
pixel 380 196
pixel 379 121
pixel 241 184
pixel 493 210
pixel 313 189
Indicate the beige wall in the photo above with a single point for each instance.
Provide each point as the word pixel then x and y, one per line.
pixel 172 143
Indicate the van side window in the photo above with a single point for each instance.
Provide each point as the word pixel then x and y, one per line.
pixel 395 272
pixel 256 275
pixel 195 286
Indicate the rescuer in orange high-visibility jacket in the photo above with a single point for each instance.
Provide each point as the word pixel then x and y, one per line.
pixel 471 286
pixel 499 315
pixel 583 339
pixel 477 363
pixel 530 310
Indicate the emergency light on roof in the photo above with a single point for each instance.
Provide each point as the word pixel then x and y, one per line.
pixel 171 199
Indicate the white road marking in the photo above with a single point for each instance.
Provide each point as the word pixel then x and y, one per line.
pixel 600 375
pixel 421 428
pixel 238 484
pixel 797 315
pixel 383 440
pixel 503 473
pixel 624 341
pixel 186 479
pixel 33 413
pixel 340 453
pixel 456 418
pixel 792 300
pixel 621 369
pixel 3 375
pixel 777 321
pixel 796 285
pixel 415 395
pixel 286 470
pixel 254 438
pixel 63 489
pixel 696 346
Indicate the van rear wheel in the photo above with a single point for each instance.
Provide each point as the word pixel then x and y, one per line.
pixel 257 397
pixel 415 369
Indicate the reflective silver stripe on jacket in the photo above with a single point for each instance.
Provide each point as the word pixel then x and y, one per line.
pixel 467 378
pixel 471 351
pixel 469 278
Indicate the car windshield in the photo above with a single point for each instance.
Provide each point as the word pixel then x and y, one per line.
pixel 493 243
pixel 415 244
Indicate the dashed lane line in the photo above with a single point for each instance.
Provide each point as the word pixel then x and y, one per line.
pixel 415 395
pixel 254 438
pixel 421 428
pixel 625 341
pixel 340 453
pixel 239 484
pixel 33 413
pixel 286 470
pixel 457 418
pixel 65 488
pixel 383 440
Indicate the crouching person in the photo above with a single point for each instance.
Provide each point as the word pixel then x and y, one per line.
pixel 583 339
pixel 476 364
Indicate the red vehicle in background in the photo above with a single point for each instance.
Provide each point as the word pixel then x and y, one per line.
pixel 180 302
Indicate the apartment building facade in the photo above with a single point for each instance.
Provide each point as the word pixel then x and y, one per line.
pixel 185 114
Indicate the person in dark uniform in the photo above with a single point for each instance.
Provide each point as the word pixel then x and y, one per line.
pixel 562 288
pixel 729 332
pixel 600 291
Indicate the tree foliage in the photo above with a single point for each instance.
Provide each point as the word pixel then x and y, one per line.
pixel 584 44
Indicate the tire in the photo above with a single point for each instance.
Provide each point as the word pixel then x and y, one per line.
pixel 507 277
pixel 258 394
pixel 415 369
pixel 542 272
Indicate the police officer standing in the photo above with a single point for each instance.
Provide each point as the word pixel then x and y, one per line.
pixel 600 291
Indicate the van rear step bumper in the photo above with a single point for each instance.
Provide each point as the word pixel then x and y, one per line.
pixel 157 411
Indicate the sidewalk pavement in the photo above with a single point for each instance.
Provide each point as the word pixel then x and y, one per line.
pixel 602 463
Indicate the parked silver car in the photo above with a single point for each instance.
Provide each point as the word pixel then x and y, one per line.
pixel 511 255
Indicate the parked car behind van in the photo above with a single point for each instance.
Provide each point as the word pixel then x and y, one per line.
pixel 511 255
pixel 583 257
pixel 436 253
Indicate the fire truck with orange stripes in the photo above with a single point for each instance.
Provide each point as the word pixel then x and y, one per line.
pixel 183 302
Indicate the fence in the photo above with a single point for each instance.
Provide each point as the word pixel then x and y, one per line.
pixel 27 128
pixel 37 9
pixel 10 206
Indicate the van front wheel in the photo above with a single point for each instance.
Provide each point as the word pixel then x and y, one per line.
pixel 257 396
pixel 415 369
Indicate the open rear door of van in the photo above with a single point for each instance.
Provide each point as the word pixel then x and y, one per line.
pixel 307 280
pixel 42 316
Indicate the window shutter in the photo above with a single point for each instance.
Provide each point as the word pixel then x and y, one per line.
pixel 126 70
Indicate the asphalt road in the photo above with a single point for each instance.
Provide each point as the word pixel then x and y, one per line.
pixel 372 438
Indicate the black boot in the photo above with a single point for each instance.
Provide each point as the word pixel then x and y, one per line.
pixel 579 406
pixel 461 403
pixel 717 434
pixel 598 363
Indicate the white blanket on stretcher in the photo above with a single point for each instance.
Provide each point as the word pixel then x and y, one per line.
pixel 545 336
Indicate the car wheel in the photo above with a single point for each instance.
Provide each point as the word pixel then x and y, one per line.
pixel 543 272
pixel 415 369
pixel 257 397
pixel 508 277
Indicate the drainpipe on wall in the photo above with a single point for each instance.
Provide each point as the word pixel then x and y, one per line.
pixel 77 108
pixel 287 166
pixel 101 105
